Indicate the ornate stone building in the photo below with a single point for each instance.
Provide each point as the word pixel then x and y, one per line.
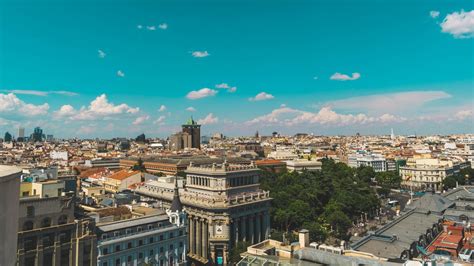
pixel 224 205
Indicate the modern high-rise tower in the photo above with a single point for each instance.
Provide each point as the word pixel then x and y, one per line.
pixel 194 130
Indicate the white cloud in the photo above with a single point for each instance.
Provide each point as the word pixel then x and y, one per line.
pixel 344 77
pixel 315 78
pixel 139 120
pixel 41 93
pixel 120 73
pixel 160 120
pixel 208 120
pixel 434 13
pixel 202 93
pixel 99 108
pixel 226 86
pixel 200 54
pixel 163 26
pixel 101 53
pixel 464 114
pixel 262 96
pixel 151 27
pixel 459 24
pixel 390 102
pixel 11 103
pixel 139 27
pixel 162 108
pixel 285 116
pixel 191 109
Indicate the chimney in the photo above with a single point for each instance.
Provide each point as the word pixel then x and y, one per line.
pixel 303 238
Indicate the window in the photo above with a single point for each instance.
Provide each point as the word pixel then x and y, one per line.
pixel 117 262
pixel 171 235
pixel 180 244
pixel 117 248
pixel 171 247
pixel 129 245
pixel 150 227
pixel 140 242
pixel 180 232
pixel 104 236
pixel 116 233
pixel 128 231
pixel 151 253
pixel 28 225
pixel 151 240
pixel 161 249
pixel 46 222
pixel 104 264
pixel 30 211
pixel 62 219
pixel 105 251
pixel 129 259
pixel 161 237
pixel 139 229
pixel 140 255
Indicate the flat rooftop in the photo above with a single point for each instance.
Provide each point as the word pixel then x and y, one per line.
pixel 6 170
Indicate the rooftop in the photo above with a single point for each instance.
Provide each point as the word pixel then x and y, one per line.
pixel 6 170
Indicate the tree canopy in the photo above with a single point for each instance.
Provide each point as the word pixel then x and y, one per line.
pixel 324 202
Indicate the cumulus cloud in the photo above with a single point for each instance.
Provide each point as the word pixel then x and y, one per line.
pixel 191 109
pixel 226 86
pixel 208 120
pixel 202 93
pixel 160 120
pixel 140 120
pixel 120 73
pixel 344 77
pixel 99 108
pixel 41 93
pixel 434 13
pixel 101 53
pixel 464 114
pixel 11 103
pixel 152 28
pixel 163 26
pixel 390 102
pixel 262 96
pixel 459 24
pixel 162 108
pixel 200 54
pixel 139 27
pixel 286 116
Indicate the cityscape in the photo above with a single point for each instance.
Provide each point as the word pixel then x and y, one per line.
pixel 240 133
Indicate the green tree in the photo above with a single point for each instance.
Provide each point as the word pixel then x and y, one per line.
pixel 8 137
pixel 139 166
pixel 236 250
pixel 365 173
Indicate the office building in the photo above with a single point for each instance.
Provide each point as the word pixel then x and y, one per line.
pixel 50 234
pixel 9 196
pixel 224 205
pixel 362 158
pixel 180 141
pixel 159 239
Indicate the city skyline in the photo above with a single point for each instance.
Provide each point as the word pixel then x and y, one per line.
pixel 117 70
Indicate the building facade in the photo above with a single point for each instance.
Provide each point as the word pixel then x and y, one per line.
pixel 224 205
pixel 149 239
pixel 376 161
pixel 194 130
pixel 9 196
pixel 428 173
pixel 49 234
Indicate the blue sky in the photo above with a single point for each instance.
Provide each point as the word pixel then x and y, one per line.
pixel 104 68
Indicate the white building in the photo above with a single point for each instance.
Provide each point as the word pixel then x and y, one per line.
pixel 59 155
pixel 376 161
pixel 300 165
pixel 428 173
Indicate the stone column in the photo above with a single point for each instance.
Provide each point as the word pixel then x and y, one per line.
pixel 251 229
pixel 191 235
pixel 199 237
pixel 205 232
pixel 258 224
pixel 266 218
pixel 236 230
pixel 244 228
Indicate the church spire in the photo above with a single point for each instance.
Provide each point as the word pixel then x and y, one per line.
pixel 176 204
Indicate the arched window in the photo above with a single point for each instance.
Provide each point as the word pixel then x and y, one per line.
pixel 46 222
pixel 28 225
pixel 62 219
